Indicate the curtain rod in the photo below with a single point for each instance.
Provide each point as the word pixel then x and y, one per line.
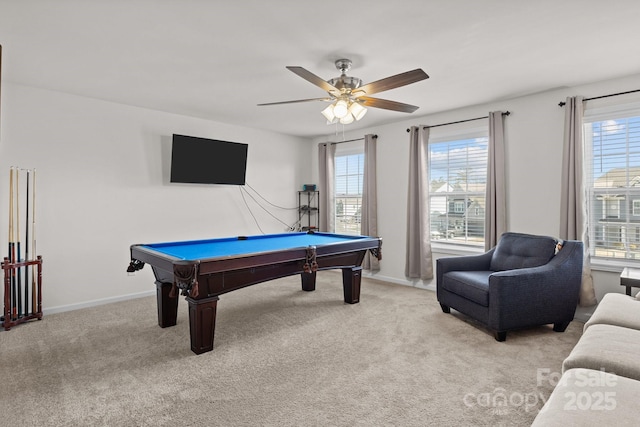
pixel 562 103
pixel 350 140
pixel 506 113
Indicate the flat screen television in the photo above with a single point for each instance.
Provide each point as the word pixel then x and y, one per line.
pixel 207 161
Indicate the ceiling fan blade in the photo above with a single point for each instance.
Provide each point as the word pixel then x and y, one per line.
pixel 310 77
pixel 367 101
pixel 295 101
pixel 392 82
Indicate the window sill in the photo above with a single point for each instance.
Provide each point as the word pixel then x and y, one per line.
pixel 456 249
pixel 597 264
pixel 613 266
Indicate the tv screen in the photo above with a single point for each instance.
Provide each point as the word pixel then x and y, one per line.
pixel 207 161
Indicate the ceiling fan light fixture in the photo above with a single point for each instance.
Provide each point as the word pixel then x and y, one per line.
pixel 347 119
pixel 329 114
pixel 357 110
pixel 340 108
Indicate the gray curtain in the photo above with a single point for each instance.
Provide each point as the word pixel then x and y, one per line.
pixel 369 210
pixel 326 174
pixel 419 263
pixel 573 201
pixel 495 220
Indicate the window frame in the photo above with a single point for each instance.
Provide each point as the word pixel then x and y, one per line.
pixel 613 111
pixel 451 134
pixel 343 150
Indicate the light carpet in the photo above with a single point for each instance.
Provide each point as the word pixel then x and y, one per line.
pixel 281 357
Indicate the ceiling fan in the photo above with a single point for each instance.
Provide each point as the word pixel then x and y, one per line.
pixel 349 97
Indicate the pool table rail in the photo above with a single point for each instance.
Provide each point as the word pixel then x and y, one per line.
pixel 202 281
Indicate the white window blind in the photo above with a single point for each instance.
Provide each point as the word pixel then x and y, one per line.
pixel 612 163
pixel 457 186
pixel 349 172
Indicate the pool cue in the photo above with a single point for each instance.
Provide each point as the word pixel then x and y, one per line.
pixel 12 253
pixel 33 246
pixel 18 256
pixel 26 249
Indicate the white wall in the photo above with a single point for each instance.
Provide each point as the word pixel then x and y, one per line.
pixel 103 184
pixel 534 135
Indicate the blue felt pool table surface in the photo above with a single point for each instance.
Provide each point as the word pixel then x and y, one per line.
pixel 238 246
pixel 202 270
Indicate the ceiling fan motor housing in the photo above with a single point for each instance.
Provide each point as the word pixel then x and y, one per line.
pixel 344 82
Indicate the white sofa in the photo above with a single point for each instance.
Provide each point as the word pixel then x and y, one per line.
pixel 600 381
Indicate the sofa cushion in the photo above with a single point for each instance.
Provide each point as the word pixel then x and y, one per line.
pixel 472 285
pixel 585 397
pixel 609 348
pixel 517 250
pixel 616 309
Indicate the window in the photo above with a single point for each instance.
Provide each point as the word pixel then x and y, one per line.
pixel 612 153
pixel 458 179
pixel 349 172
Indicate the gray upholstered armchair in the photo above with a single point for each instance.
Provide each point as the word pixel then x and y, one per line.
pixel 519 283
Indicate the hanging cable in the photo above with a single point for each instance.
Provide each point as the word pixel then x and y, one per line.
pixel 249 209
pixel 243 191
pixel 262 197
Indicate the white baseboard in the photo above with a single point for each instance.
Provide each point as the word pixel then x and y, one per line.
pixel 94 303
pixel 415 283
pixel 582 313
pixel 102 301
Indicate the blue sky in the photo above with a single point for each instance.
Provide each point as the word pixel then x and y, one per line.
pixel 616 144
pixel 452 159
pixel 348 170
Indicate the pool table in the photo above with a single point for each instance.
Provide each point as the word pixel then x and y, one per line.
pixel 202 270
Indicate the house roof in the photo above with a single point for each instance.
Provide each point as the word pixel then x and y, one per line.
pixel 618 178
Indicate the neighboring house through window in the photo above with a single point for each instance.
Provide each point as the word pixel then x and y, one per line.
pixel 612 173
pixel 349 172
pixel 457 187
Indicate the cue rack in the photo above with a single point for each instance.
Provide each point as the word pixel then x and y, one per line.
pixel 22 272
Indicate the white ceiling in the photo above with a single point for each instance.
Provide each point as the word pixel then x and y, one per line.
pixel 217 59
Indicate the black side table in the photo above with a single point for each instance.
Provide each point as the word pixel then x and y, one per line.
pixel 630 278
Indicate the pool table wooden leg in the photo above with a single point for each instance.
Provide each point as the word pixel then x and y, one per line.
pixel 202 323
pixel 351 284
pixel 167 306
pixel 308 281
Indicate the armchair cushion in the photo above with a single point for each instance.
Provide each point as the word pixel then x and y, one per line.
pixel 521 282
pixel 472 285
pixel 516 250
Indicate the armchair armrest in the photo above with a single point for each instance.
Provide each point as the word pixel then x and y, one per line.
pixel 463 263
pixel 537 292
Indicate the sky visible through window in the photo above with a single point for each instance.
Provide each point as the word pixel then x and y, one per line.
pixel 461 162
pixel 614 186
pixel 616 144
pixel 348 174
pixel 457 184
pixel 349 170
